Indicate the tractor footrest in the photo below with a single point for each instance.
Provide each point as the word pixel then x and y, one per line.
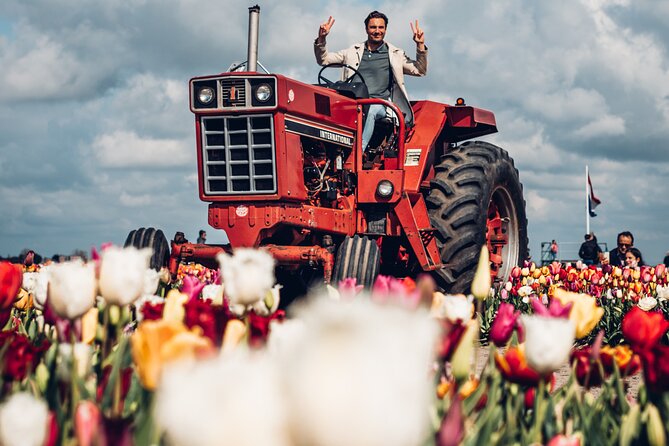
pixel 426 235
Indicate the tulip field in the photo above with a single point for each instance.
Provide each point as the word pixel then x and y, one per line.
pixel 111 352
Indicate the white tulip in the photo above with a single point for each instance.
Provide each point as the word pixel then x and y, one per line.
pixel 270 303
pixel 23 420
pixel 214 293
pixel 72 288
pixel 357 374
pixel 151 280
pixel 647 303
pixel 548 342
pixel 247 275
pixel 122 274
pixel 662 292
pixel 525 291
pixel 235 399
pixel 454 307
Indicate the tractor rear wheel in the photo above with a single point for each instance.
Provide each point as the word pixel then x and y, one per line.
pixel 476 198
pixel 154 239
pixel 358 257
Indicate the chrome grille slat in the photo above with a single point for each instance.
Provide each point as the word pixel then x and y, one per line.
pixel 235 165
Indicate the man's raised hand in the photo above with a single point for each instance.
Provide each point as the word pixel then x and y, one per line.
pixel 324 30
pixel 418 35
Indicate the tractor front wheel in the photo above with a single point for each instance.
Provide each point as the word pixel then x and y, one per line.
pixel 476 198
pixel 358 257
pixel 154 239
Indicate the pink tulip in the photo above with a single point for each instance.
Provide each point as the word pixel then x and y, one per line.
pixel 87 419
pixel 563 440
pixel 555 308
pixel 452 430
pixel 515 272
pixel 660 270
pixel 503 325
pixel 348 287
pixel 192 287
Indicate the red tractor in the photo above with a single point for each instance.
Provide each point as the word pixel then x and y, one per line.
pixel 281 164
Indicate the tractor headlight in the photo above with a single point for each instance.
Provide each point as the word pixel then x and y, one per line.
pixel 263 92
pixel 206 95
pixel 384 189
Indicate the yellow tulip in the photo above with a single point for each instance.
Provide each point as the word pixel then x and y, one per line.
pixel 174 306
pixel 156 343
pixel 89 325
pixel 585 313
pixel 24 300
pixel 234 333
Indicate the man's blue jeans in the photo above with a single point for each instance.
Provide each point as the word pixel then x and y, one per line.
pixel 375 113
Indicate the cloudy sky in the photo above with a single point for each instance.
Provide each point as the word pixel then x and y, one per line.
pixel 96 137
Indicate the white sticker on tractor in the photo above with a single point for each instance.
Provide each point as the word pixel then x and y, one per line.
pixel 242 211
pixel 412 158
pixel 291 95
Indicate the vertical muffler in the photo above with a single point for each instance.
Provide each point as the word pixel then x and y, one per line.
pixel 254 20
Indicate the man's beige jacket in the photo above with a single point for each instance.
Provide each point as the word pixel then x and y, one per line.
pixel 400 65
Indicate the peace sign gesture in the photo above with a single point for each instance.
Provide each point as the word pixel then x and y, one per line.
pixel 418 35
pixel 324 30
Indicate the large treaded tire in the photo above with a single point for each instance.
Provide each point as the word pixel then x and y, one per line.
pixel 358 257
pixel 471 181
pixel 154 239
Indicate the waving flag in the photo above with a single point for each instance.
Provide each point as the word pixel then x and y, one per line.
pixel 593 201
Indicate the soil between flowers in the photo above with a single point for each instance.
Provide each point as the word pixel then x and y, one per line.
pixel 562 375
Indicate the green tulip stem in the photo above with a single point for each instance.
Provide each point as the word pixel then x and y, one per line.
pixel 74 385
pixel 539 410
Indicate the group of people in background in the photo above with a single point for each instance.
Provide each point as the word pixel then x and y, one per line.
pixel 624 254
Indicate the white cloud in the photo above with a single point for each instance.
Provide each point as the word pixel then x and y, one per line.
pixel 127 149
pixel 605 126
pixel 134 200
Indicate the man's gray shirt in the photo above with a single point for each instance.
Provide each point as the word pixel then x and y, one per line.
pixel 375 68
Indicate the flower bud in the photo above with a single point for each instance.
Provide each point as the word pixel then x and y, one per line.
pixel 655 427
pixel 515 272
pixel 461 360
pixel 525 272
pixel 482 281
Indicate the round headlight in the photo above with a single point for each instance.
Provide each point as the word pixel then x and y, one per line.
pixel 206 95
pixel 263 92
pixel 384 189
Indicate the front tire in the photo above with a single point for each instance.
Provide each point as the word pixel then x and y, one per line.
pixel 476 198
pixel 358 257
pixel 154 239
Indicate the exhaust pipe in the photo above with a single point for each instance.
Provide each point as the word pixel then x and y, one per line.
pixel 254 19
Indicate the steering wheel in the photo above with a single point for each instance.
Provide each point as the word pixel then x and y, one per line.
pixel 324 81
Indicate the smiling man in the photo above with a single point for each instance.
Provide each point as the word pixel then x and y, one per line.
pixel 381 64
pixel 624 243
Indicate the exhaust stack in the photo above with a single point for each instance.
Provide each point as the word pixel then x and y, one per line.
pixel 254 20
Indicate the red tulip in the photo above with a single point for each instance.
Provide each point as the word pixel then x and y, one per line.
pixel 11 277
pixel 52 429
pixel 450 339
pixel 259 326
pixel 211 318
pixel 643 329
pixel 514 368
pixel 656 368
pixel 503 325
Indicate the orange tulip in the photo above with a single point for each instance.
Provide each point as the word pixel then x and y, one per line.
pixel 24 301
pixel 156 343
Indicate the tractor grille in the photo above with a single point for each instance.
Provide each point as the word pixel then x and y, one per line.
pixel 233 92
pixel 238 155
